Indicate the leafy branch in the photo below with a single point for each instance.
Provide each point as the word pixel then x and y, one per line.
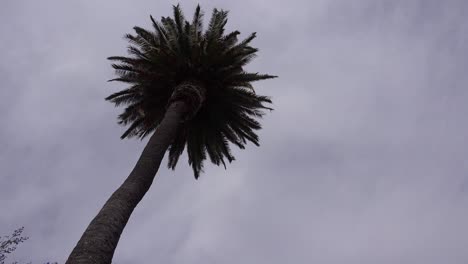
pixel 8 243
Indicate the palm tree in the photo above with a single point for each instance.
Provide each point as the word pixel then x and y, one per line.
pixel 187 87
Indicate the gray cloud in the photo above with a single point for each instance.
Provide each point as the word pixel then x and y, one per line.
pixel 362 161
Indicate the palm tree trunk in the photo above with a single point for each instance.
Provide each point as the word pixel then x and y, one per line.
pixel 98 243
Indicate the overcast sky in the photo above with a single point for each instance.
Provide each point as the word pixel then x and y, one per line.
pixel 363 160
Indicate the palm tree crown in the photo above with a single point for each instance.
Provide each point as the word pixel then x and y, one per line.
pixel 176 52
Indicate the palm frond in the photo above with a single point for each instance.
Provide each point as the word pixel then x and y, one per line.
pixel 176 51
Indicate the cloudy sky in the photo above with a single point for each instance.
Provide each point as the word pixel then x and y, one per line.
pixel 362 161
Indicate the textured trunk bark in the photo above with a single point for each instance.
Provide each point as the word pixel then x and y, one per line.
pixel 98 243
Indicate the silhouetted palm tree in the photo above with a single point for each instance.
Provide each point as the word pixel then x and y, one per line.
pixel 187 85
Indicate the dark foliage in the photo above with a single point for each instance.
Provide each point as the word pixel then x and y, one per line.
pixel 8 245
pixel 177 51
